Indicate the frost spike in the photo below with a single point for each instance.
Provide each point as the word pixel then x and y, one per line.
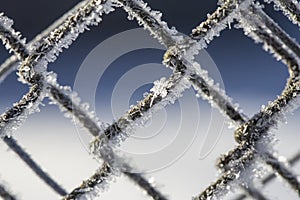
pixel 289 8
pixel 178 46
pixel 98 179
pixel 220 186
pixel 74 108
pixel 28 104
pixel 169 90
pixel 11 63
pixel 11 119
pixel 13 144
pixel 12 39
pixel 47 51
pixel 281 105
pixel 146 14
pixel 218 20
pixel 65 101
pixel 41 56
pixel 246 132
pixel 272 176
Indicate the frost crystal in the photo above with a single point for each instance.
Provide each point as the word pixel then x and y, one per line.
pixel 290 8
pixel 33 68
pixel 239 166
pixel 163 93
pixel 11 39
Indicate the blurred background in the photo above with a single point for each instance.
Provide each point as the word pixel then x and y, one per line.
pixel 189 134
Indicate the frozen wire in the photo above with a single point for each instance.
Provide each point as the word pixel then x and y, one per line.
pixel 33 67
pixel 14 116
pixel 11 63
pixel 181 51
pixel 93 186
pixel 272 176
pixel 11 39
pixel 100 181
pixel 290 8
pixel 67 103
pixel 61 95
pixel 152 22
pixel 224 184
pixel 165 91
pixel 219 20
pixel 259 33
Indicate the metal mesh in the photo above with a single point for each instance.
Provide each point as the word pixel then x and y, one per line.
pixel 252 133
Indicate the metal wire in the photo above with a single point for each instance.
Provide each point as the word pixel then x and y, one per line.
pixel 251 133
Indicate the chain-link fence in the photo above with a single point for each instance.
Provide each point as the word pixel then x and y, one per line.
pixel 253 134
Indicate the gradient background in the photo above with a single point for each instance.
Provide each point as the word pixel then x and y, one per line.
pixel 251 77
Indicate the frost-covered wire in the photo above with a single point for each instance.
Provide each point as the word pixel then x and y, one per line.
pixel 33 67
pixel 47 51
pixel 227 180
pixel 67 100
pixel 165 91
pixel 151 21
pixel 13 117
pixel 34 63
pixel 112 135
pixel 272 176
pixel 11 64
pixel 219 20
pixel 151 191
pixel 13 145
pixel 70 103
pixel 12 40
pixel 181 50
pixel 283 47
pixel 5 194
pixel 231 160
pixel 100 181
pixel 92 186
pixel 29 103
pixel 290 8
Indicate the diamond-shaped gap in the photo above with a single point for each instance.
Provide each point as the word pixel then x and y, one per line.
pixel 250 82
pixel 52 141
pixel 69 61
pixel 281 19
pixel 282 193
